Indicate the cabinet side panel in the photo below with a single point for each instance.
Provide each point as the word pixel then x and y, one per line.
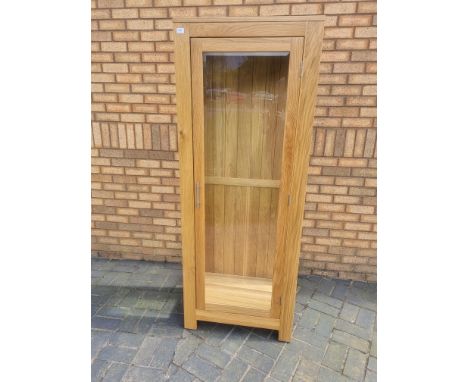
pixel 184 122
pixel 288 149
pixel 303 141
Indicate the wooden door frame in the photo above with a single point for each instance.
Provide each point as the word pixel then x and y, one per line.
pixel 292 45
pixel 309 27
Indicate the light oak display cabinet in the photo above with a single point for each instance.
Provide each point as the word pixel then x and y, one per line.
pixel 246 90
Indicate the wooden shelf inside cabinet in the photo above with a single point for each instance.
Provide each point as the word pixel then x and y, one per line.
pixel 246 90
pixel 238 294
pixel 242 182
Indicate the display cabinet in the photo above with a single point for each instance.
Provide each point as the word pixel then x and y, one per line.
pixel 246 90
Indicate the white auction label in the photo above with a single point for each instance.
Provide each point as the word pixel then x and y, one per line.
pixel 180 30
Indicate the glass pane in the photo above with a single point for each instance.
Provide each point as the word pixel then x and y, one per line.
pixel 244 106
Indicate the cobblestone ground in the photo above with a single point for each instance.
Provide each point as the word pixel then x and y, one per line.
pixel 138 335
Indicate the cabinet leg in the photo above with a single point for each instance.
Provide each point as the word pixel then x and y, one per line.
pixel 284 335
pixel 190 323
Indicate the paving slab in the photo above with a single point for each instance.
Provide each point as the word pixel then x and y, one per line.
pixel 138 335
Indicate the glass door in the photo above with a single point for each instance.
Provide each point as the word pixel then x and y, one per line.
pixel 240 89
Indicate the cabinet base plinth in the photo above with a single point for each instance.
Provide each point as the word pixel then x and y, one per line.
pixel 238 319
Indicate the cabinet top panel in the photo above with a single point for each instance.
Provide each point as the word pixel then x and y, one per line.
pixel 247 19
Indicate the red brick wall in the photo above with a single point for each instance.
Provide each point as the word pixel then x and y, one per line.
pixel 135 191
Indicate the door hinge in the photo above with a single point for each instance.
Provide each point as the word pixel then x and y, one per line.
pixel 289 200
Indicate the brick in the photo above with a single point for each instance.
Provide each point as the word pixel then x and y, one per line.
pixel 227 2
pixel 367 7
pixel 335 356
pixel 125 13
pixel 344 112
pixel 343 234
pixel 327 258
pixel 368 112
pixel 338 33
pixel 360 209
pixel 364 55
pixel 101 36
pixel 274 10
pixel 365 32
pixel 197 2
pixel 140 24
pixel 362 191
pixel 132 117
pixel 339 8
pixel 164 24
pixel 117 108
pixel 101 57
pixel 110 3
pixel 336 171
pixel 350 340
pixel 352 162
pixel 114 68
pixel 331 21
pixel 362 79
pixel 166 68
pixel 145 108
pixel 341 190
pixel 367 172
pixel 355 20
pixel 333 56
pixel 104 97
pixel 97 14
pixel 367 236
pixel 357 122
pixel 358 226
pixel 347 44
pixel 371 183
pixel 212 354
pixel 143 374
pixel 212 11
pixel 154 36
pixel 325 67
pixel 348 68
pixel 330 101
pixel 155 57
pixel 243 11
pixel 370 143
pixel 127 57
pixel 201 369
pixel 139 3
pixel 332 79
pixel 153 13
pixel 166 89
pixel 125 36
pixel 306 9
pixel 182 12
pixel 112 24
pixel 355 366
pixel 128 78
pixel 113 46
pixel 165 47
pixel 346 199
pixel 142 68
pixel 131 98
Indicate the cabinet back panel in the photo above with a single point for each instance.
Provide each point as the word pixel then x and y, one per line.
pixel 244 102
pixel 240 230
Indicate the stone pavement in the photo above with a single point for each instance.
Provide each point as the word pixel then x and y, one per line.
pixel 138 335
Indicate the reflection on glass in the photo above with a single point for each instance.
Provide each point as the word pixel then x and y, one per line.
pixel 244 106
